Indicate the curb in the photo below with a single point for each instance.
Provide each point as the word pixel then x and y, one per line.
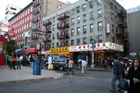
pixel 21 81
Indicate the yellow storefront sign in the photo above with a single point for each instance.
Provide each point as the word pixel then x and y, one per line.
pixel 60 50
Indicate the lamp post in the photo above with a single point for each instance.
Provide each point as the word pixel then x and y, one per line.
pixel 94 40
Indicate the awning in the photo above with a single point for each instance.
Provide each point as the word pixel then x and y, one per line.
pixel 30 50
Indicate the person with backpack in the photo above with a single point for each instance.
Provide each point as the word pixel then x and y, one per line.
pixel 18 60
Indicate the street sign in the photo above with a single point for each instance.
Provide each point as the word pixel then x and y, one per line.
pixel 40 39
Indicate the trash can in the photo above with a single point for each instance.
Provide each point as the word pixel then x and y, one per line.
pixel 37 67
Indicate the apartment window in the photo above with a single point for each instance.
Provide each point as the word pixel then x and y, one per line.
pixel 67 32
pixel 57 34
pixel 21 15
pixel 78 31
pixel 91 15
pixel 112 16
pixel 99 2
pixel 53 27
pixel 85 40
pixel 30 16
pixel 116 19
pixel 84 29
pixel 53 36
pixel 111 6
pixel 25 20
pixel 40 8
pixel 78 41
pixel 116 29
pixel 67 43
pixel 91 28
pixel 72 21
pixel 54 19
pixel 91 4
pixel 72 32
pixel 30 24
pixel 31 9
pixel 57 44
pixel 91 39
pixel 27 25
pixel 78 19
pixel 72 11
pixel 84 7
pixel 40 16
pixel 60 6
pixel 67 13
pixel 84 17
pixel 72 42
pixel 112 28
pixel 39 25
pixel 28 11
pixel 20 28
pixel 52 45
pixel 99 26
pixel 115 8
pixel 57 16
pixel 113 39
pixel 100 38
pixel 78 9
pixel 99 13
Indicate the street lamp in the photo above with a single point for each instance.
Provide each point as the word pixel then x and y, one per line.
pixel 94 40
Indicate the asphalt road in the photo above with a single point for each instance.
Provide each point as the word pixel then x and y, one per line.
pixel 92 82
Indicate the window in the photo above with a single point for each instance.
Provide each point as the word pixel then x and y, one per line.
pixel 54 19
pixel 115 8
pixel 31 9
pixel 100 38
pixel 78 19
pixel 28 11
pixel 112 16
pixel 53 36
pixel 78 31
pixel 72 42
pixel 60 6
pixel 27 25
pixel 112 28
pixel 40 7
pixel 99 2
pixel 84 17
pixel 116 19
pixel 99 26
pixel 52 45
pixel 20 28
pixel 91 28
pixel 57 44
pixel 40 16
pixel 84 7
pixel 25 20
pixel 78 9
pixel 30 16
pixel 113 39
pixel 116 29
pixel 57 34
pixel 67 13
pixel 39 25
pixel 84 29
pixel 78 41
pixel 67 43
pixel 53 27
pixel 72 21
pixel 72 32
pixel 111 6
pixel 91 39
pixel 57 16
pixel 21 15
pixel 91 4
pixel 30 24
pixel 99 13
pixel 72 11
pixel 67 32
pixel 91 15
pixel 85 40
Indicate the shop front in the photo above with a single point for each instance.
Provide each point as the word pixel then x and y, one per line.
pixel 64 51
pixel 31 51
pixel 81 52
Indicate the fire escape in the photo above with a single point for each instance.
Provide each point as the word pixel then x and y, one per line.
pixel 122 33
pixel 62 26
pixel 47 40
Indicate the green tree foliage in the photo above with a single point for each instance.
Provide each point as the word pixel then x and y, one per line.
pixel 11 46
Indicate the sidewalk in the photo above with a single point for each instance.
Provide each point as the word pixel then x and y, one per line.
pixel 25 74
pixel 92 69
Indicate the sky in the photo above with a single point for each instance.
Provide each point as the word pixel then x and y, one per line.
pixel 22 3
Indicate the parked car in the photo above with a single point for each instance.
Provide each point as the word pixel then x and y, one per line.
pixel 60 63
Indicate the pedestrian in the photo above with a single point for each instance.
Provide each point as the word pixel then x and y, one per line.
pixel 70 66
pixel 95 61
pixel 9 57
pixel 84 64
pixel 134 76
pixel 18 60
pixel 49 62
pixel 31 60
pixel 105 64
pixel 117 73
pixel 13 62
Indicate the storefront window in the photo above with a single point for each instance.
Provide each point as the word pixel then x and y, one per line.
pixel 1 47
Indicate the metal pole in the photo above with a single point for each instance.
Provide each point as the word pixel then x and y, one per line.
pixel 92 57
pixel 40 59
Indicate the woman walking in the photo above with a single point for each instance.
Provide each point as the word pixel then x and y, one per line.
pixel 18 62
pixel 13 62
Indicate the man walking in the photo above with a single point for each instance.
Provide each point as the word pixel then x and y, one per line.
pixel 70 66
pixel 84 64
pixel 117 74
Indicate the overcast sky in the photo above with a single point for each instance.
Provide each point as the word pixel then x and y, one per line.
pixel 22 3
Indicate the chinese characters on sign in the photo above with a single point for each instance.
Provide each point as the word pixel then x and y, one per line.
pixel 60 49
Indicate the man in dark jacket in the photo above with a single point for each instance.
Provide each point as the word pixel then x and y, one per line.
pixel 117 71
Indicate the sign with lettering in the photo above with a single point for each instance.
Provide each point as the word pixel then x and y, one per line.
pixel 86 47
pixel 60 49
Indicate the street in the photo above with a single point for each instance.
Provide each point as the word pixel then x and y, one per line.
pixel 92 82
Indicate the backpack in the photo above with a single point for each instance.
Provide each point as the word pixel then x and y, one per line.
pixel 31 59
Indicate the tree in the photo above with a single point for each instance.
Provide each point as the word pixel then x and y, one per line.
pixel 11 46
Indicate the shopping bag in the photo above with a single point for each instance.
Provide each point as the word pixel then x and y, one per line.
pixel 123 85
pixel 51 66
